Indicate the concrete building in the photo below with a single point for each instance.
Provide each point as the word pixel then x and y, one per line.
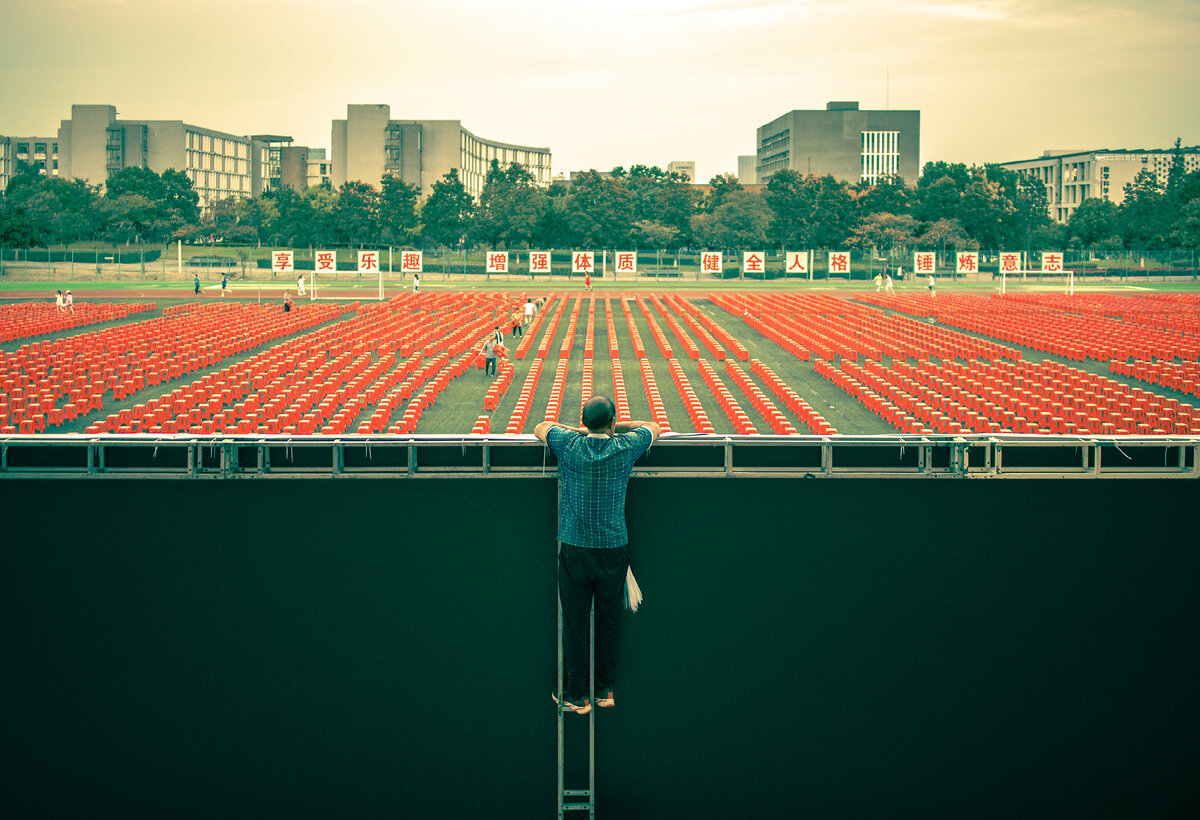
pixel 37 152
pixel 1071 177
pixel 747 172
pixel 369 143
pixel 843 141
pixel 320 169
pixel 94 144
pixel 685 167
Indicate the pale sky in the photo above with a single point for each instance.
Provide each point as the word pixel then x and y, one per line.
pixel 622 81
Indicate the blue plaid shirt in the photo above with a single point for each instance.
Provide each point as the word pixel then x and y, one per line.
pixel 593 474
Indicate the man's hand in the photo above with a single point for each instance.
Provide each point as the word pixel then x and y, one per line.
pixel 543 429
pixel 628 426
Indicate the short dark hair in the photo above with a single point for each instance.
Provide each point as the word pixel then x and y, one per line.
pixel 598 412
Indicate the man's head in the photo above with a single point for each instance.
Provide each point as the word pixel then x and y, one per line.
pixel 599 412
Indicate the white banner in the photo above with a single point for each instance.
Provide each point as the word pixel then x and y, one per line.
pixel 754 261
pixel 282 261
pixel 924 261
pixel 412 261
pixel 839 262
pixel 1010 261
pixel 1052 262
pixel 626 262
pixel 967 262
pixel 325 262
pixel 497 261
pixel 710 262
pixel 583 262
pixel 368 261
pixel 797 262
pixel 539 261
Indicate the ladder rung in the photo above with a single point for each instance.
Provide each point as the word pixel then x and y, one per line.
pixel 577 792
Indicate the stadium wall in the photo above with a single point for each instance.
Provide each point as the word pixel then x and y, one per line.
pixel 858 647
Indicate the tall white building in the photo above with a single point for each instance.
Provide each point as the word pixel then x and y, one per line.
pixel 369 144
pixel 687 168
pixel 94 144
pixel 1071 177
pixel 39 153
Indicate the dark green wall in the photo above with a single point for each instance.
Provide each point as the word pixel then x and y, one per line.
pixel 386 648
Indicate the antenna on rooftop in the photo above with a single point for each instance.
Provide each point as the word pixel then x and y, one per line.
pixel 887 94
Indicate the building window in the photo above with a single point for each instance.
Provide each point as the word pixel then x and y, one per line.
pixel 880 155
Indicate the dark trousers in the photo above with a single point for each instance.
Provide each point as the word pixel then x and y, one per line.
pixel 489 365
pixel 517 330
pixel 582 575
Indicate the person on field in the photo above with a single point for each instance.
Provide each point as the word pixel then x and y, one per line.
pixel 196 283
pixel 516 320
pixel 594 463
pixel 224 284
pixel 887 285
pixel 416 284
pixel 587 280
pixel 878 282
pixel 69 301
pixel 300 284
pixel 287 301
pixel 489 355
pixel 528 311
pixel 60 303
pixel 931 291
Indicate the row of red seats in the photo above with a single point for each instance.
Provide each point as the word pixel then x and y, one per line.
pixel 686 311
pixel 867 397
pixel 733 411
pixel 721 334
pixel 657 412
pixel 564 352
pixel 543 349
pixel 802 409
pixel 1181 377
pixel 516 424
pixel 620 397
pixel 635 338
pixel 691 403
pixel 660 338
pixel 765 407
pixel 25 319
pixel 668 316
pixel 554 403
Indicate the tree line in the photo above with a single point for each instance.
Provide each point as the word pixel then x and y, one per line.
pixel 952 206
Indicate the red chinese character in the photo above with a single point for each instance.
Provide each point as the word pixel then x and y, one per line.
pixel 966 262
pixel 1053 262
pixel 625 261
pixel 583 262
pixel 925 262
pixel 324 261
pixel 710 262
pixel 1008 262
pixel 539 261
pixel 368 261
pixel 497 262
pixel 754 262
pixel 838 262
pixel 797 262
pixel 410 261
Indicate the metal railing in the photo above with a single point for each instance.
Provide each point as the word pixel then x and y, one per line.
pixel 674 456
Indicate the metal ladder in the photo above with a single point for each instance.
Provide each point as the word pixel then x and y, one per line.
pixel 575 799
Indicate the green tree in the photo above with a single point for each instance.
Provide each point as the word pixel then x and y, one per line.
pixel 788 198
pixel 947 232
pixel 1186 231
pixel 884 234
pixel 258 214
pixel 510 207
pixel 664 198
pixel 742 221
pixel 652 235
pixel 397 210
pixel 599 210
pixel 1143 213
pixel 1093 222
pixel 956 172
pixel 720 189
pixel 447 211
pixel 985 212
pixel 356 214
pixel 887 196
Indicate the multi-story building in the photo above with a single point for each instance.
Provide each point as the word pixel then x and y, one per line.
pixel 320 169
pixel 686 168
pixel 93 144
pixel 39 153
pixel 850 144
pixel 1071 177
pixel 369 144
pixel 748 169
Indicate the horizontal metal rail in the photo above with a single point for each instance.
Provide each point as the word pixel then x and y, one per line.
pixel 674 456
